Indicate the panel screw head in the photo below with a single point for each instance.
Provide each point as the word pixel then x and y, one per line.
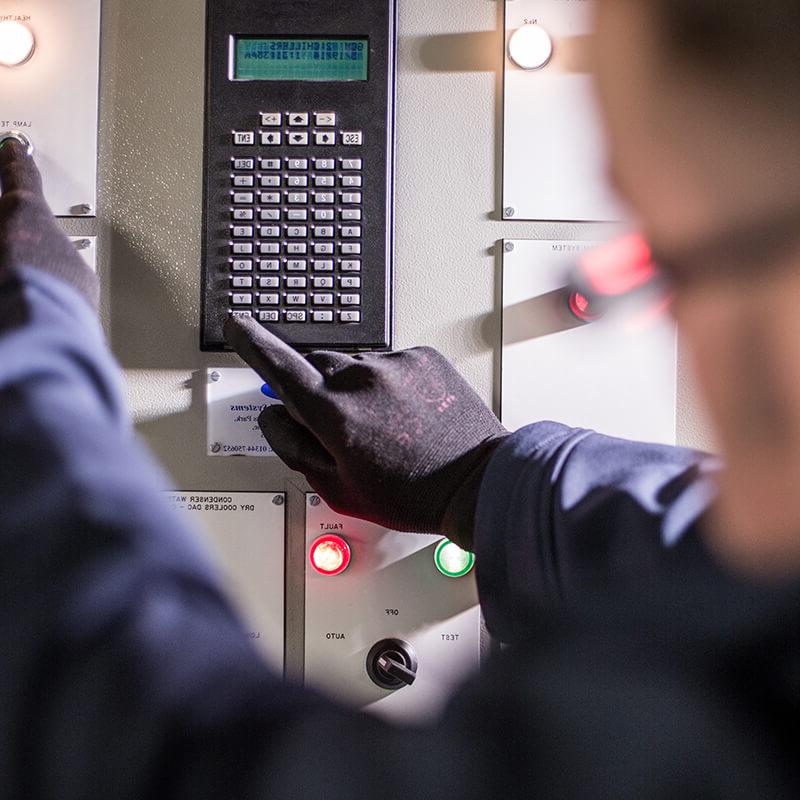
pixel 216 447
pixel 509 212
pixel 82 209
pixel 215 376
pixel 83 244
pixel 314 500
pixel 278 500
pixel 508 247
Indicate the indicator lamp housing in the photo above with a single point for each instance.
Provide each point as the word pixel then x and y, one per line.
pixel 330 555
pixel 451 560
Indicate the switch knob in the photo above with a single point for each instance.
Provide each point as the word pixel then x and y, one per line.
pixel 392 664
pixel 16 43
pixel 530 47
pixel 16 136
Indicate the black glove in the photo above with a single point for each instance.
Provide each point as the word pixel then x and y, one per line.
pixel 399 439
pixel 29 235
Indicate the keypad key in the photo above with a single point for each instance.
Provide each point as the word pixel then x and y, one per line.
pixel 322 316
pixel 351 232
pixel 325 163
pixel 353 138
pixel 297 214
pixel 297 118
pixel 271 138
pixel 298 139
pixel 244 181
pixel 324 215
pixel 324 198
pixel 269 198
pixel 269 231
pixel 351 198
pixel 269 214
pixel 295 181
pixel 269 181
pixel 323 282
pixel 350 282
pixel 243 198
pixel 351 181
pixel 350 214
pixel 243 163
pixel 296 248
pixel 241 248
pixel 268 316
pixel 350 316
pixel 297 198
pixel 324 231
pixel 244 138
pixel 297 163
pixel 295 316
pixel 269 163
pixel 323 265
pixel 243 299
pixel 269 265
pixel 297 231
pixel 241 313
pixel 241 265
pixel 325 138
pixel 296 299
pixel 269 248
pixel 322 299
pixel 325 119
pixel 242 231
pixel 271 119
pixel 269 282
pixel 296 282
pixel 324 181
pixel 323 249
pixel 241 282
pixel 350 300
pixel 350 248
pixel 351 163
pixel 269 299
pixel 296 265
pixel 242 214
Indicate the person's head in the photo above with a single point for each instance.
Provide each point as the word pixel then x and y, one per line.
pixel 700 99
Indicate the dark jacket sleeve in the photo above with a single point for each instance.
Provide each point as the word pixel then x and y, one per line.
pixel 563 512
pixel 125 673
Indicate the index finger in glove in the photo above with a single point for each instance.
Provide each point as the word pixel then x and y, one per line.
pixel 18 171
pixel 282 367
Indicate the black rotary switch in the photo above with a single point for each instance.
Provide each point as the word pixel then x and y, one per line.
pixel 392 664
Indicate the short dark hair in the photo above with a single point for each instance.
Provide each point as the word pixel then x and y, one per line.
pixel 754 43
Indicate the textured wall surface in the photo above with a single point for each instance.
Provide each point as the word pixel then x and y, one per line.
pixel 449 123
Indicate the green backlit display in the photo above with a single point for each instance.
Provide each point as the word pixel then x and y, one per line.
pixel 300 60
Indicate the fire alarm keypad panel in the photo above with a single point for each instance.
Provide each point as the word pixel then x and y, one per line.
pixel 299 170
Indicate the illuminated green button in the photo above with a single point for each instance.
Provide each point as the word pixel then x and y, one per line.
pixel 451 560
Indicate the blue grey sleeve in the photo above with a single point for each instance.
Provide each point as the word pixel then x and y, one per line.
pixel 563 511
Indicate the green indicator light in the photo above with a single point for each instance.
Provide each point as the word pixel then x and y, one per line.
pixel 451 560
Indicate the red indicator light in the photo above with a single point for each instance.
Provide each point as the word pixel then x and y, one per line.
pixel 580 306
pixel 330 555
pixel 619 267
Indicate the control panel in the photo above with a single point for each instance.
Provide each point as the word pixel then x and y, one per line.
pixel 299 170
pixel 246 533
pixel 49 82
pixel 392 619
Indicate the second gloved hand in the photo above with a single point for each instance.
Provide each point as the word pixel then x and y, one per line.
pixel 399 439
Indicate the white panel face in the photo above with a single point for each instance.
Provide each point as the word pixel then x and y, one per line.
pixel 52 98
pixel 391 589
pixel 234 401
pixel 616 375
pixel 246 531
pixel 87 247
pixel 554 150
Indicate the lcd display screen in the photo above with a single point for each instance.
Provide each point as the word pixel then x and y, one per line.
pixel 285 59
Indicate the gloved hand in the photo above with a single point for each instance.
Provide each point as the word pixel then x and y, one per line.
pixel 399 439
pixel 29 235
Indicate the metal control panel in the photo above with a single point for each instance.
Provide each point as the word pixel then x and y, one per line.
pixel 299 170
pixel 392 619
pixel 49 81
pixel 246 532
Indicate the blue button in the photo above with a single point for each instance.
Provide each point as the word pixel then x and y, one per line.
pixel 266 390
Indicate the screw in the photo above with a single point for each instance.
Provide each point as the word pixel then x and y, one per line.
pixel 83 244
pixel 216 447
pixel 508 247
pixel 509 212
pixel 83 208
pixel 215 376
pixel 314 500
pixel 278 500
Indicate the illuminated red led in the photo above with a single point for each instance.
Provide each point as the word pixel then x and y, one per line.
pixel 330 555
pixel 619 267
pixel 580 306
